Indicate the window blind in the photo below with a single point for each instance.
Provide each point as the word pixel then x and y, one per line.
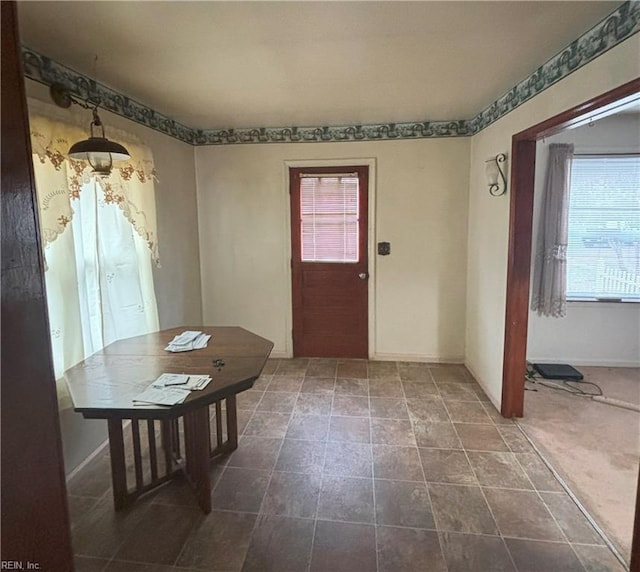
pixel 603 251
pixel 329 218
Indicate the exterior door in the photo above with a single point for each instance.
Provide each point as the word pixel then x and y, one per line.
pixel 329 263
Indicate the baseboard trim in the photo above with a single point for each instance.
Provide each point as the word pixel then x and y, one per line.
pixel 280 355
pixel 586 362
pixel 381 356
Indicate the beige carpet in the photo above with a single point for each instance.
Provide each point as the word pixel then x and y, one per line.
pixel 595 447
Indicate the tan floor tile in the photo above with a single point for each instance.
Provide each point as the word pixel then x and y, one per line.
pixel 400 463
pixel 400 503
pixel 409 550
pixel 419 389
pixel 277 402
pixel 532 556
pixel 498 470
pixel 467 412
pixel 431 410
pixel 477 437
pixel 346 499
pixel 292 494
pixel 219 542
pixel 240 490
pixel 318 385
pixel 451 373
pixel 321 367
pixel 280 543
pixel 541 477
pixel 353 368
pixel 159 537
pixel 461 509
pixel 447 466
pixel 438 435
pixel 453 391
pixel 572 522
pixel 345 386
pixel 414 371
pixel 475 553
pixel 388 408
pixel 344 547
pixel 348 459
pixel 267 424
pixel 385 388
pixel 521 514
pixel 288 383
pixel 350 406
pixel 313 404
pixel 392 432
pixel 292 366
pixel 255 453
pixel 353 429
pixel 301 456
pixel 309 427
pixel 383 370
pixel 598 559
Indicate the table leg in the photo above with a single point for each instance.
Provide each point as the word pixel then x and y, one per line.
pixel 118 465
pixel 232 423
pixel 196 431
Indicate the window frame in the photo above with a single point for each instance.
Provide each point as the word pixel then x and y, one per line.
pixel 586 300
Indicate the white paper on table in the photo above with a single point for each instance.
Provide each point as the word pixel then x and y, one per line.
pixel 187 341
pixel 166 396
pixel 182 381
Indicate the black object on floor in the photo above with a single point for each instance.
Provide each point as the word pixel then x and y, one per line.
pixel 558 371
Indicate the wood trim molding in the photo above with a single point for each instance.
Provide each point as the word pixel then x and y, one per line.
pixel 35 515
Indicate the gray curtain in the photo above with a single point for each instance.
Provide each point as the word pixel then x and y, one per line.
pixel 549 295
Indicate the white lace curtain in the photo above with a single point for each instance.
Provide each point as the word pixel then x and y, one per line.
pixel 549 294
pixel 99 239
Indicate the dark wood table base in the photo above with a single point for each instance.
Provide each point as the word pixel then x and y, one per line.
pixel 183 445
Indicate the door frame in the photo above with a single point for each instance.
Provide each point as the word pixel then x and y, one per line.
pixel 369 162
pixel 523 158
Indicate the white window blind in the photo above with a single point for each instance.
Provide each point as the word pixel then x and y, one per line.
pixel 329 218
pixel 603 252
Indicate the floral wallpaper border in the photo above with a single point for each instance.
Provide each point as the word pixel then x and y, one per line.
pixel 620 25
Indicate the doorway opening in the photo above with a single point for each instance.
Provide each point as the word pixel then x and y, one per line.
pixel 518 293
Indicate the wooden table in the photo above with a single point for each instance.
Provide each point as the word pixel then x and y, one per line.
pixel 180 439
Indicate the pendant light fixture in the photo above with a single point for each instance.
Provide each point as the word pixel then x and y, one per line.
pixel 97 150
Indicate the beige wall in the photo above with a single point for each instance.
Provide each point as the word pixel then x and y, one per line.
pixel 489 216
pixel 177 282
pixel 417 294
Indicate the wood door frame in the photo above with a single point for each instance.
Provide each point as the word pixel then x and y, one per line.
pixel 35 514
pixel 522 183
pixel 369 162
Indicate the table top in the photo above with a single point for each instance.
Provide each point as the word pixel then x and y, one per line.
pixel 104 384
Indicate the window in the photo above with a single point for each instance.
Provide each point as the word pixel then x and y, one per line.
pixel 329 218
pixel 603 251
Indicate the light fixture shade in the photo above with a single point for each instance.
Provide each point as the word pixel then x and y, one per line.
pixel 99 152
pixel 94 147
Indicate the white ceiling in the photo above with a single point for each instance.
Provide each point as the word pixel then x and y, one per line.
pixel 249 64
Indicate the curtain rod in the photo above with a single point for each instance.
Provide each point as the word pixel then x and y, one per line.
pixel 606 154
pixel 326 175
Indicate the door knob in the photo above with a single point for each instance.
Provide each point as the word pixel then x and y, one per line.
pixel 363 275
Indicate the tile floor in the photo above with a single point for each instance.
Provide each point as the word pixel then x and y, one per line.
pixel 355 466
